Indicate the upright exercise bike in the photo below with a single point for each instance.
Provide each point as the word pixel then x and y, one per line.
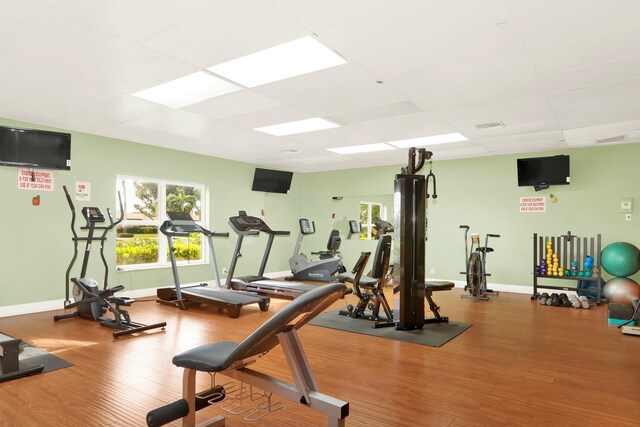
pixel 89 301
pixel 476 262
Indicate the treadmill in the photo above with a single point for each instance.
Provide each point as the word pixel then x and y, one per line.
pixel 245 225
pixel 211 293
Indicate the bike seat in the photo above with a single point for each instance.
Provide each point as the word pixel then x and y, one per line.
pixel 484 249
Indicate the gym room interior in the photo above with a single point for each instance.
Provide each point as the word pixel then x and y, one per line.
pixel 496 138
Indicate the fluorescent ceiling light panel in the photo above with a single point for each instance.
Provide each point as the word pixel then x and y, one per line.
pixel 367 148
pixel 187 90
pixel 429 140
pixel 300 126
pixel 280 62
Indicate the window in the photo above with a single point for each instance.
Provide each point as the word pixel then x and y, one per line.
pixel 139 242
pixel 369 212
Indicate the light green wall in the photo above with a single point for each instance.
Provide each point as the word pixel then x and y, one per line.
pixel 480 192
pixel 37 243
pixel 483 194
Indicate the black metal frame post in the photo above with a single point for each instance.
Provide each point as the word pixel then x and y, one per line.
pixel 410 215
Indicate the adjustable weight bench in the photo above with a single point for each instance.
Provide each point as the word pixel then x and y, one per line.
pixel 370 288
pixel 231 360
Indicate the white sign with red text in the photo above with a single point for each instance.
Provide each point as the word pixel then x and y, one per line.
pixel 533 204
pixel 35 179
pixel 83 191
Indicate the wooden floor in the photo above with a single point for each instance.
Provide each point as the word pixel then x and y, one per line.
pixel 519 364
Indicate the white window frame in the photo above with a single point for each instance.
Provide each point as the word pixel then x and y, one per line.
pixel 161 216
pixel 369 223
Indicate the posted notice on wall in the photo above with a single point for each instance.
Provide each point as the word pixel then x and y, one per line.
pixel 533 204
pixel 35 179
pixel 83 191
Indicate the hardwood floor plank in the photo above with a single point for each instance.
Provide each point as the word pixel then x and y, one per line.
pixel 519 364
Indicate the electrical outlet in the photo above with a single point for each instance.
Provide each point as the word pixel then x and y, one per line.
pixel 627 217
pixel 225 270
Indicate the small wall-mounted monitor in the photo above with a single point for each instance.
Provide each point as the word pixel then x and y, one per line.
pixel 272 181
pixel 33 148
pixel 541 172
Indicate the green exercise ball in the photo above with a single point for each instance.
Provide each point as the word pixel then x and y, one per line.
pixel 622 290
pixel 620 259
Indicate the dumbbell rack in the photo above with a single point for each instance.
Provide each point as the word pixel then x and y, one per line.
pixel 569 248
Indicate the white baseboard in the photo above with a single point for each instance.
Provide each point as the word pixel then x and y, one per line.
pixel 34 307
pixel 38 307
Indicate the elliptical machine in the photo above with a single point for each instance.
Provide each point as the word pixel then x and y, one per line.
pixel 476 262
pixel 89 301
pixel 322 269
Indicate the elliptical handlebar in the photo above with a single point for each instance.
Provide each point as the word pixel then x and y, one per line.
pixel 73 212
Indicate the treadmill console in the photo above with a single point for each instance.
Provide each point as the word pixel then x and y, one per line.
pixel 92 214
pixel 306 226
pixel 244 222
pixel 182 222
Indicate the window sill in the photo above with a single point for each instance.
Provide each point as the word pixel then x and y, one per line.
pixel 155 266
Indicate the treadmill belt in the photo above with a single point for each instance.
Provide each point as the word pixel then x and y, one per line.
pixel 276 284
pixel 222 295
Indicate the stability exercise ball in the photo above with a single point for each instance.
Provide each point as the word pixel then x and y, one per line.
pixel 620 259
pixel 621 290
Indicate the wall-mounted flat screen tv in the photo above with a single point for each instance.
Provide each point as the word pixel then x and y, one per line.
pixel 272 181
pixel 541 172
pixel 33 148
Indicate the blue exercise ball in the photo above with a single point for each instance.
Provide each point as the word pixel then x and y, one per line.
pixel 620 259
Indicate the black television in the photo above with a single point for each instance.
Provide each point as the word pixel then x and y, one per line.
pixel 541 172
pixel 271 181
pixel 35 148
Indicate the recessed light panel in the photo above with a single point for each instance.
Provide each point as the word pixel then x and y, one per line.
pixel 280 62
pixel 300 126
pixel 366 148
pixel 187 90
pixel 429 140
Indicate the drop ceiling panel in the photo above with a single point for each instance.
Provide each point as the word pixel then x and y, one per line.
pixel 266 117
pixel 599 119
pixel 224 31
pixel 16 15
pixel 496 70
pixel 573 21
pixel 523 8
pixel 233 104
pixel 29 112
pixel 167 120
pixel 600 107
pixel 593 75
pixel 68 94
pixel 354 98
pixel 419 29
pixel 592 50
pixel 331 81
pixel 120 109
pixel 59 45
pixel 376 113
pixel 314 15
pixel 493 92
pixel 524 140
pixel 136 68
pixel 16 78
pixel 495 110
pixel 131 20
pixel 594 93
